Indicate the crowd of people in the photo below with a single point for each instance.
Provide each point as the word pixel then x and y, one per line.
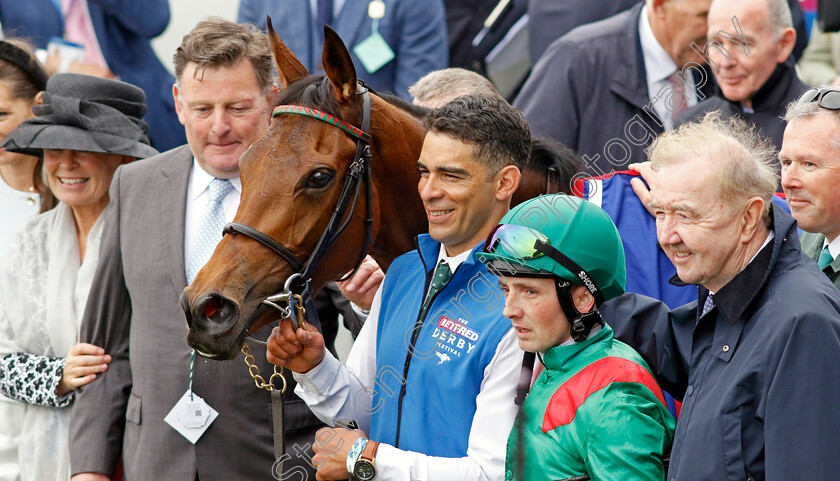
pixel 668 310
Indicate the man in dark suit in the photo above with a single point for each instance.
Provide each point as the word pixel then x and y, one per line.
pixel 606 89
pixel 413 32
pixel 155 240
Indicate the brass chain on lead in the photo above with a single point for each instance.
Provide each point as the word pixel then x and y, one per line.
pixel 254 371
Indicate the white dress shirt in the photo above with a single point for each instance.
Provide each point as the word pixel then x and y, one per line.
pixel 833 246
pixel 335 392
pixel 197 197
pixel 658 67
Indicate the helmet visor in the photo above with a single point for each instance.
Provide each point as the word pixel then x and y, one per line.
pixel 515 241
pixel 517 244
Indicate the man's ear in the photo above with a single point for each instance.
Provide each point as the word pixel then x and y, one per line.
pixel 786 43
pixel 507 181
pixel 752 218
pixel 179 109
pixel 583 299
pixel 39 98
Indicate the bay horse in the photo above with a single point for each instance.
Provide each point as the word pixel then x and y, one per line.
pixel 292 180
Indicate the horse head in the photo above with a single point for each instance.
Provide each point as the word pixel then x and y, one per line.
pixel 292 180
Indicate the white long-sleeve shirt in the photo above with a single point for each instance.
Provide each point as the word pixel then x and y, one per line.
pixel 336 393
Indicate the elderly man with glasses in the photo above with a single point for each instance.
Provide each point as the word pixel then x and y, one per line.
pixel 810 159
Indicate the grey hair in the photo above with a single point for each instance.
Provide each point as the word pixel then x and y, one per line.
pixel 750 163
pixel 779 16
pixel 441 86
pixel 796 111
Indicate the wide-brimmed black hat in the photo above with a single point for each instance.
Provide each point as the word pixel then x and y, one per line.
pixel 86 113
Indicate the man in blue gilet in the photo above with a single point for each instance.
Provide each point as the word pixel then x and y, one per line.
pixel 431 379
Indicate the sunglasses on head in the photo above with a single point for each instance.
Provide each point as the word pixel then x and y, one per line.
pixel 826 98
pixel 523 243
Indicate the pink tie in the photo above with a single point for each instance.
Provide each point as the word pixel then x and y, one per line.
pixel 679 101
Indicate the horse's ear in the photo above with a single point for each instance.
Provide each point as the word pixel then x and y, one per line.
pixel 338 65
pixel 289 68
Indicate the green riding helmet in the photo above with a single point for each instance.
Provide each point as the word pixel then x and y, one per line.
pixel 581 231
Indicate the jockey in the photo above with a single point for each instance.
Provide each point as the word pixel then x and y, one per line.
pixel 595 409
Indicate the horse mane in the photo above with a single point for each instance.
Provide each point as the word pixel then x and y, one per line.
pixel 316 92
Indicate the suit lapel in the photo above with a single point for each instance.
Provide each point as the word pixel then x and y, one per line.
pixel 812 244
pixel 172 203
pixel 350 20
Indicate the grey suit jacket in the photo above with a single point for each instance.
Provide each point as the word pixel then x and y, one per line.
pixel 812 245
pixel 133 313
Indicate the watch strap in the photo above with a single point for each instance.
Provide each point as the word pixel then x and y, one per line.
pixel 355 453
pixel 369 451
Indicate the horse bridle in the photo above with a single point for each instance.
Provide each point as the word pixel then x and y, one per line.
pixel 358 170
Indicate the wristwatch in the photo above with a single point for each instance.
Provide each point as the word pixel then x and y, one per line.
pixel 365 467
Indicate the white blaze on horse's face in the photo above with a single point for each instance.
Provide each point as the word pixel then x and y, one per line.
pixel 223 111
pixel 460 201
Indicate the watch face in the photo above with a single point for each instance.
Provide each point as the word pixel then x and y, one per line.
pixel 364 470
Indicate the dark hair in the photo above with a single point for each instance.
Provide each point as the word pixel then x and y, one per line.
pixel 559 162
pixel 216 42
pixel 20 69
pixel 25 76
pixel 497 130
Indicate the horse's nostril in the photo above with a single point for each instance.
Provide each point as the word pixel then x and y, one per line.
pixel 211 307
pixel 213 311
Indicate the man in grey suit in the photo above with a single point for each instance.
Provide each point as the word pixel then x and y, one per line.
pixel 153 244
pixel 810 158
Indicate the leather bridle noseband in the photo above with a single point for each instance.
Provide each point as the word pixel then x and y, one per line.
pixel 357 171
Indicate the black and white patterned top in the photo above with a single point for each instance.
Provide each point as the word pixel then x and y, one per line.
pixel 33 379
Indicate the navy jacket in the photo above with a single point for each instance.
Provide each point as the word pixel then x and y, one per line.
pixel 415 31
pixel 124 29
pixel 769 103
pixel 757 374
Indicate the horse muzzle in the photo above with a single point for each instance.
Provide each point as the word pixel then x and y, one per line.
pixel 213 321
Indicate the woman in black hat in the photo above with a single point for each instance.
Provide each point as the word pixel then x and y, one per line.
pixel 85 128
pixel 22 192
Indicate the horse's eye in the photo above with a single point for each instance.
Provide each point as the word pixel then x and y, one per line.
pixel 319 179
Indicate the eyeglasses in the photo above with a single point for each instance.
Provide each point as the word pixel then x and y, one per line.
pixel 826 98
pixel 523 243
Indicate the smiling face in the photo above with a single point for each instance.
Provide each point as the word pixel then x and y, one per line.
pixel 697 231
pixel 13 111
pixel 741 75
pixel 223 111
pixel 811 173
pixel 81 179
pixel 532 306
pixel 462 204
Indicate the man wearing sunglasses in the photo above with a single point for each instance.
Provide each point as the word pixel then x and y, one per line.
pixel 595 409
pixel 754 359
pixel 431 378
pixel 810 160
